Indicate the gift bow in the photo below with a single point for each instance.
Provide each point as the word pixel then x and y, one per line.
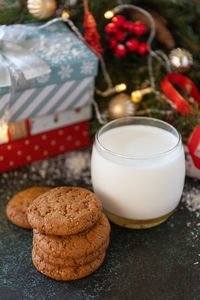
pixel 15 58
pixel 177 99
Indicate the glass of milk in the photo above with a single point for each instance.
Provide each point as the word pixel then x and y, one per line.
pixel 138 170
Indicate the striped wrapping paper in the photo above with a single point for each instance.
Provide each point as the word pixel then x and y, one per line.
pixel 49 99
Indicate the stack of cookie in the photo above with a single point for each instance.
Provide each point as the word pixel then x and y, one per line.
pixel 70 233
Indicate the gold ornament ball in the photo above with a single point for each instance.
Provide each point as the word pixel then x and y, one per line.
pixel 121 106
pixel 42 9
pixel 181 60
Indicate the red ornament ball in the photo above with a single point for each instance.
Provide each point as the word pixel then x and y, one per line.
pixel 139 28
pixel 120 50
pixel 120 35
pixel 143 48
pixel 112 42
pixel 118 20
pixel 132 44
pixel 111 28
pixel 128 25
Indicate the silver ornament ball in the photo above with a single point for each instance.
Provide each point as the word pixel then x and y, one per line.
pixel 181 60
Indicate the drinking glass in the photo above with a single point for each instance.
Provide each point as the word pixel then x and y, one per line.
pixel 138 190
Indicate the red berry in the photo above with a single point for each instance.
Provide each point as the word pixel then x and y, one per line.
pixel 139 28
pixel 120 35
pixel 132 44
pixel 113 43
pixel 120 50
pixel 128 25
pixel 111 28
pixel 143 48
pixel 118 20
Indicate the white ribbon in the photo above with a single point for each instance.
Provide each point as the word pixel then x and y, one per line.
pixel 15 56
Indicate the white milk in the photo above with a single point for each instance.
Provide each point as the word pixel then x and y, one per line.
pixel 145 187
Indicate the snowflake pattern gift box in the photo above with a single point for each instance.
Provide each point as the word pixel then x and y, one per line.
pixel 49 115
pixel 70 84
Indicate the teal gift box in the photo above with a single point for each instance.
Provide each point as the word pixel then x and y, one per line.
pixel 68 85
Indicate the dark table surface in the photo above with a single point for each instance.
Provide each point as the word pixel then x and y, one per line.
pixel 158 263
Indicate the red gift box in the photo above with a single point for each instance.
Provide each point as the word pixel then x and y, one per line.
pixel 40 146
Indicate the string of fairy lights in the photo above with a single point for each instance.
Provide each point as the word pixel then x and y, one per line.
pixel 37 9
pixel 136 96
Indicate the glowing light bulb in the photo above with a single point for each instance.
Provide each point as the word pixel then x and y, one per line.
pixel 120 87
pixel 4 129
pixel 137 95
pixel 65 14
pixel 3 133
pixel 108 14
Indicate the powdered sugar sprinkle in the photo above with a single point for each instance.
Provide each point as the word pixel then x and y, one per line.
pixel 192 200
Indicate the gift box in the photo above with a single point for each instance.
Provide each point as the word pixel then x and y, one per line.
pixel 31 140
pixel 40 146
pixel 53 93
pixel 29 127
pixel 68 83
